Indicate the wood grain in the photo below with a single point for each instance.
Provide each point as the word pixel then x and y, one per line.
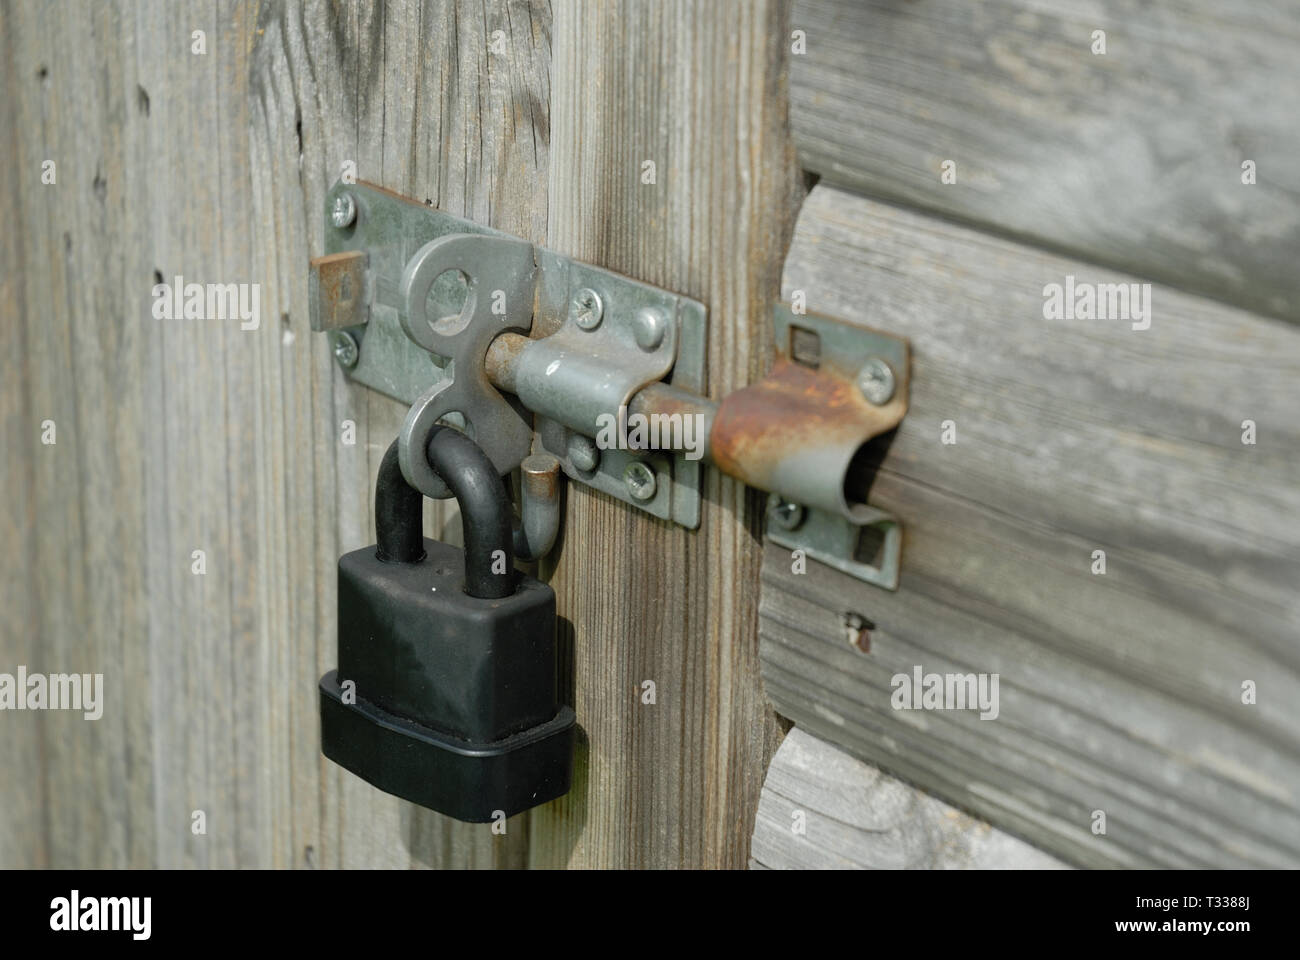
pixel 185 435
pixel 1132 159
pixel 182 435
pixel 413 94
pixel 699 90
pixel 23 793
pixel 1120 692
pixel 78 278
pixel 823 810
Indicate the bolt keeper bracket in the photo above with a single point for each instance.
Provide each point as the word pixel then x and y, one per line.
pixel 533 353
pixel 813 431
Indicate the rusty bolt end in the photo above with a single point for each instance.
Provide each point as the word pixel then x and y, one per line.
pixel 346 349
pixel 788 515
pixel 540 473
pixel 344 212
pixel 640 480
pixel 587 308
pixel 876 381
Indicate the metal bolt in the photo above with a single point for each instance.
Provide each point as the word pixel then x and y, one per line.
pixel 346 349
pixel 587 308
pixel 640 480
pixel 583 453
pixel 788 514
pixel 649 326
pixel 876 381
pixel 344 211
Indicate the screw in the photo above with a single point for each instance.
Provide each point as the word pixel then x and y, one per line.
pixel 344 211
pixel 587 308
pixel 640 480
pixel 788 514
pixel 649 326
pixel 857 631
pixel 876 381
pixel 583 454
pixel 346 349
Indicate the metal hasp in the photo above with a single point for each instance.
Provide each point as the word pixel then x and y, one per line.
pixel 533 353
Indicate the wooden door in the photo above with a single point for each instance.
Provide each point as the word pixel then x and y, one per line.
pixel 177 491
pixel 199 141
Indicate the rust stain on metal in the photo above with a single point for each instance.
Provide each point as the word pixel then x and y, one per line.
pixel 662 400
pixel 541 476
pixel 665 400
pixel 338 287
pixel 502 359
pixel 788 415
pixel 800 431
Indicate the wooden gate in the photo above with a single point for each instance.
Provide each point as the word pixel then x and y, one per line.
pixel 177 492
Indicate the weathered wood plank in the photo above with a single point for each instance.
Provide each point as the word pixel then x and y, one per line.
pixel 823 809
pixel 182 435
pixel 81 274
pixel 413 95
pixel 696 89
pixel 1132 158
pixel 23 795
pixel 1120 692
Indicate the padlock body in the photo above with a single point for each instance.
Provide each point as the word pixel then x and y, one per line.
pixel 416 645
pixel 454 705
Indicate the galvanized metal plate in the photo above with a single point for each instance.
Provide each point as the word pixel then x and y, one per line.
pixel 678 480
pixel 389 230
pixel 870 551
pixel 837 347
pixel 502 427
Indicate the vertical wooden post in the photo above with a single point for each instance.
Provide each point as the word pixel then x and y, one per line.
pixel 671 162
pixel 441 101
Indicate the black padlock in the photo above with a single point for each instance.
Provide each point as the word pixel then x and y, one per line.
pixel 452 654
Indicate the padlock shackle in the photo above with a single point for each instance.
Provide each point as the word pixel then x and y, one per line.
pixel 399 521
pixel 484 510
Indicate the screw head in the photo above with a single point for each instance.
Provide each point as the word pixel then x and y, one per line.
pixel 344 211
pixel 346 349
pixel 587 308
pixel 787 514
pixel 857 631
pixel 583 453
pixel 649 326
pixel 876 381
pixel 640 480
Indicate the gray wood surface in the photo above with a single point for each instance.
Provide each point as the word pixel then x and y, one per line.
pixel 183 435
pixel 23 789
pixel 821 809
pixel 1131 158
pixel 1119 692
pixel 695 88
pixel 413 95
